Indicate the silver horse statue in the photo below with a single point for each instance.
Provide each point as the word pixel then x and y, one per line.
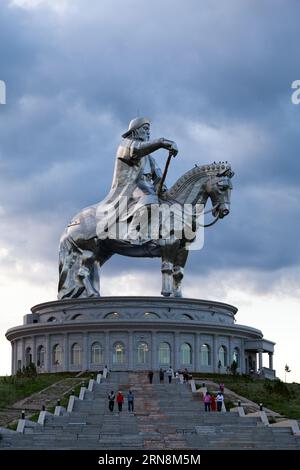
pixel 112 227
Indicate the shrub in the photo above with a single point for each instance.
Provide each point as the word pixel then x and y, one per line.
pixel 281 388
pixel 28 371
pixel 268 386
pixel 233 367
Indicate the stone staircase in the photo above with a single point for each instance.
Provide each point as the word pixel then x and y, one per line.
pixel 166 416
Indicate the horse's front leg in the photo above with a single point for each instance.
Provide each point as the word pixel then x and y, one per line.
pixel 168 253
pixel 178 271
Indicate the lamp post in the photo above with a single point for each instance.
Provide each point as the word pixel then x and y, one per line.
pixel 286 370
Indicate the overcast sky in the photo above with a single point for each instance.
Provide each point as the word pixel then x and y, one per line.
pixel 213 76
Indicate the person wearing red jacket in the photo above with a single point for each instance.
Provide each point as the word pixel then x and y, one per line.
pixel 120 400
pixel 213 403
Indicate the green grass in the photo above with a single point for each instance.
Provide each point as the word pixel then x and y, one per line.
pixel 65 400
pixel 276 395
pixel 35 417
pixel 12 426
pixel 14 388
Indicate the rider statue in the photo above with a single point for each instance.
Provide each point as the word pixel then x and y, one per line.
pixel 136 177
pixel 93 235
pixel 137 180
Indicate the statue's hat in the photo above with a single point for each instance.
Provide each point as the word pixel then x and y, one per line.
pixel 135 124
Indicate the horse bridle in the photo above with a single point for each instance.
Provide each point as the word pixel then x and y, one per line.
pixel 216 218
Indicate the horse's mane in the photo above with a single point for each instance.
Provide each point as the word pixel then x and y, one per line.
pixel 195 177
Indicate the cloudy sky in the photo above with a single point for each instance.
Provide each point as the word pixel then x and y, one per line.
pixel 213 76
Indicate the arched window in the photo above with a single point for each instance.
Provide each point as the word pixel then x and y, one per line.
pixel 112 316
pixel 142 353
pixel 118 354
pixel 28 356
pixel 186 353
pixel 76 354
pixel 57 355
pixel 186 316
pixel 77 317
pixel 40 356
pixel 151 315
pixel 222 356
pixel 52 319
pixel 97 356
pixel 205 355
pixel 236 356
pixel 164 354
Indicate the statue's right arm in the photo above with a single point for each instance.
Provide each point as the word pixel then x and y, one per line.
pixel 132 150
pixel 139 149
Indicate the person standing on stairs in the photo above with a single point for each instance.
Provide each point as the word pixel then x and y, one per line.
pixel 120 400
pixel 105 372
pixel 220 399
pixel 111 400
pixel 161 375
pixel 207 401
pixel 213 403
pixel 150 376
pixel 170 374
pixel 130 400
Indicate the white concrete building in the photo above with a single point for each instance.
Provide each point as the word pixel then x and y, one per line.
pixel 137 333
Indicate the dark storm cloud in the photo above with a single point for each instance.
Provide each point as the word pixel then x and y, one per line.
pixel 214 76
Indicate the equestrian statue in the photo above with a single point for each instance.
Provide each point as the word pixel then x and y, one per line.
pixel 140 217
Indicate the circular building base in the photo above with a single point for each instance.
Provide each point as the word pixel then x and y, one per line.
pixel 135 333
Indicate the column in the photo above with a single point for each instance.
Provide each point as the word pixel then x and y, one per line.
pixel 242 365
pixel 34 349
pixel 15 364
pixel 107 359
pixel 270 360
pixel 66 352
pixel 23 351
pixel 130 350
pixel 260 359
pixel 85 361
pixel 153 351
pixel 13 353
pixel 176 356
pixel 215 353
pixel 197 353
pixel 48 354
pixel 230 352
pixel 16 356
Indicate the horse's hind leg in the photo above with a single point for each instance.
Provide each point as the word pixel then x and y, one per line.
pixel 166 271
pixel 69 286
pixel 78 273
pixel 92 259
pixel 88 274
pixel 178 270
pixel 168 252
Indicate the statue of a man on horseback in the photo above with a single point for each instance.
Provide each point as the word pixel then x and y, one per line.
pixel 130 220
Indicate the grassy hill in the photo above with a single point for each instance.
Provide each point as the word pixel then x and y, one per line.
pixel 13 388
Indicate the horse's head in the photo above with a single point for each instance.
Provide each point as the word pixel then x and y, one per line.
pixel 219 188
